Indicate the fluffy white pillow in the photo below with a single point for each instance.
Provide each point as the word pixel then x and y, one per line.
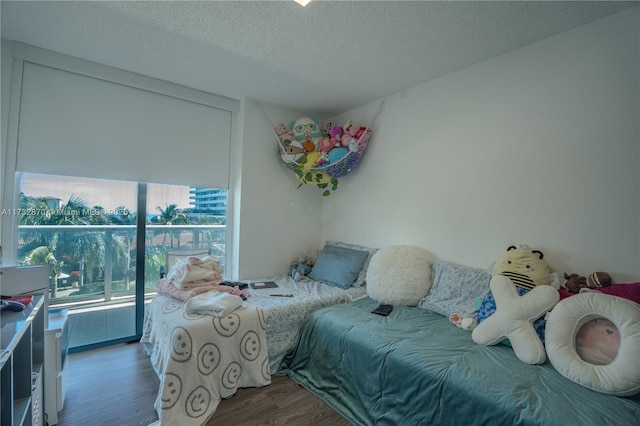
pixel 399 275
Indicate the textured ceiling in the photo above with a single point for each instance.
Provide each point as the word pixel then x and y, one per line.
pixel 325 58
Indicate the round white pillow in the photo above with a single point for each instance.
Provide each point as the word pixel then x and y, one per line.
pixel 621 376
pixel 399 275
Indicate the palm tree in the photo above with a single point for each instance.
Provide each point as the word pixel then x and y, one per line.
pixel 36 212
pixel 76 247
pixel 154 258
pixel 43 255
pixel 171 215
pixel 80 247
pixel 129 218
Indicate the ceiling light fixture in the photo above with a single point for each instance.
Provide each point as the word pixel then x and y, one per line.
pixel 302 2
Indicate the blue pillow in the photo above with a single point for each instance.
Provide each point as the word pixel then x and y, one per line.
pixel 362 276
pixel 338 266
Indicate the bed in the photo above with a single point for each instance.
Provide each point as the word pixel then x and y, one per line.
pixel 414 367
pixel 201 360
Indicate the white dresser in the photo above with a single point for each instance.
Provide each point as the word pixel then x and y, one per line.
pixel 55 364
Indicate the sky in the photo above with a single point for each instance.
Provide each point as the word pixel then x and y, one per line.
pixel 108 194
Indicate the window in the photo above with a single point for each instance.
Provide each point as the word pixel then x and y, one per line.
pixel 77 118
pixel 87 231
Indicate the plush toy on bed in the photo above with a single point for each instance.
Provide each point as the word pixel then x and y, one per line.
pixel 303 265
pixel 300 270
pixel 520 295
pixel 465 323
pixel 574 282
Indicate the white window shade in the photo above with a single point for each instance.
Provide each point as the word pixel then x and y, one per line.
pixel 76 125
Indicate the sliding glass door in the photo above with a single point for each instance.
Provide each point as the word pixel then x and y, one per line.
pixel 105 242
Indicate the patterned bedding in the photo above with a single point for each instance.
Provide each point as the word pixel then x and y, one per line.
pixel 200 359
pixel 285 315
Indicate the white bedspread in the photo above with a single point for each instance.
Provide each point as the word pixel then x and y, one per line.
pixel 201 359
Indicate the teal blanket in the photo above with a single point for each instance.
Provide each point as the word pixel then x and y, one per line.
pixel 416 368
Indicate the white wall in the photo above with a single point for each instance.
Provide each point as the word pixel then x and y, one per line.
pixel 6 63
pixel 539 146
pixel 277 220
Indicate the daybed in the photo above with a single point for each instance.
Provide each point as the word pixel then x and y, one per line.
pixel 414 367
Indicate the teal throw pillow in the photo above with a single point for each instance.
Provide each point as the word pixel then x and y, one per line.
pixel 338 266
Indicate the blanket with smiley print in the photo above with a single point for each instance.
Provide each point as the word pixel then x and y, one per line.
pixel 201 359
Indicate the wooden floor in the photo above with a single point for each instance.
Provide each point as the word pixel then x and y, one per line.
pixel 117 386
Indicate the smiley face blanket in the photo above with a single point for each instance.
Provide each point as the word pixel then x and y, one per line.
pixel 201 359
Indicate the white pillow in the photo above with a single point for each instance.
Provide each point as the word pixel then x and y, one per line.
pixel 399 275
pixel 621 377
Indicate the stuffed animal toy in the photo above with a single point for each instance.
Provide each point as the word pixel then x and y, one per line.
pixel 354 146
pixel 333 139
pixel 346 135
pixel 574 282
pixel 326 145
pixel 524 267
pixel 465 323
pixel 324 159
pixel 312 160
pixel 303 265
pixel 599 280
pixel 300 270
pixel 326 130
pixel 337 154
pixel 360 134
pixel 293 151
pixel 335 132
pixel 513 318
pixel 283 133
pixel 307 131
pixel 514 308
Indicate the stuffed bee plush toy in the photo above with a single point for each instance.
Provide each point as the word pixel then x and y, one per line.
pixel 525 267
pixel 514 308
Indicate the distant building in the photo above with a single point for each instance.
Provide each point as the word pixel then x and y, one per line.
pixel 53 202
pixel 208 200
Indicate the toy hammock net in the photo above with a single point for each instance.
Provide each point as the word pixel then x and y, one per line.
pixel 321 155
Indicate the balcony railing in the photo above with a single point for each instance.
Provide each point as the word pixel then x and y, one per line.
pixel 103 259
